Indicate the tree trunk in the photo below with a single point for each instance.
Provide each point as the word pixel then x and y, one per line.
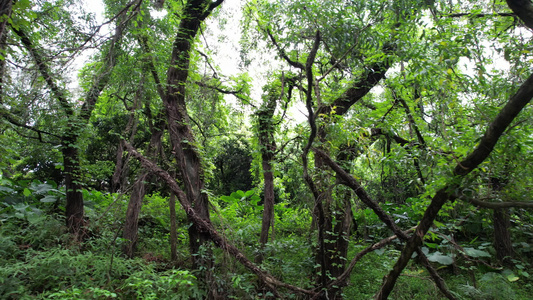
pixel 268 206
pixel 139 190
pixel 502 224
pixel 74 206
pixel 71 164
pixel 265 135
pixel 115 180
pixel 502 236
pixel 173 229
pixel 181 136
pixel 5 12
pixel 132 215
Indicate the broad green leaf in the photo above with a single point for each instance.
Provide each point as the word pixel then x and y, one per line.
pixel 379 251
pixel 48 199
pixel 440 258
pixel 476 253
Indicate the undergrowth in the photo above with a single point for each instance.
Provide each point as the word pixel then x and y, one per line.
pixel 39 260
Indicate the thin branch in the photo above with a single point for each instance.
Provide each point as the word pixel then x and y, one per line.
pixel 480 15
pixel 45 71
pixel 282 52
pixel 101 80
pixel 215 74
pixel 220 90
pixel 143 40
pixel 210 8
pixel 11 119
pixel 339 61
pixel 342 280
pixel 352 183
pixel 360 88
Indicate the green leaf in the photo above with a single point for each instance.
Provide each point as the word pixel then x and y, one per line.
pixel 379 251
pixel 476 253
pixel 228 199
pixel 440 258
pixel 512 277
pixel 431 245
pixel 48 199
pixel 27 192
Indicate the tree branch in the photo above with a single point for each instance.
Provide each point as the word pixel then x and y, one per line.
pixel 15 122
pixel 210 8
pixel 498 205
pixel 370 78
pixel 494 131
pixel 523 9
pixel 100 81
pixel 44 69
pixel 206 226
pixel 342 280
pixel 282 52
pixel 352 183
pixel 480 15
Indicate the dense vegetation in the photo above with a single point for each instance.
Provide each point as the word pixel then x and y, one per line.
pixel 162 154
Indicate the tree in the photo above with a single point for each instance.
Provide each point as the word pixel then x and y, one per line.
pixel 407 125
pixel 76 116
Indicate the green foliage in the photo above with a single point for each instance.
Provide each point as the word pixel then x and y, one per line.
pixel 490 286
pixel 241 204
pixel 449 66
pixel 172 284
pixel 233 165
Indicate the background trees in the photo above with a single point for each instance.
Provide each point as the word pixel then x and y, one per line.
pixel 415 137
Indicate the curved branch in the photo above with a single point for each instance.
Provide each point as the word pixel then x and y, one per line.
pixel 352 183
pixel 342 280
pixel 372 76
pixel 282 52
pixel 101 80
pixel 480 15
pixel 207 227
pixel 523 9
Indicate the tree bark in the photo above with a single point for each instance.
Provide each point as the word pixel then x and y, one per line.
pixel 265 132
pixel 173 228
pixel 502 236
pixel 180 132
pixel 268 206
pixel 181 135
pixel 138 192
pixel 5 14
pixel 131 223
pixel 502 224
pixel 351 182
pixel 74 210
